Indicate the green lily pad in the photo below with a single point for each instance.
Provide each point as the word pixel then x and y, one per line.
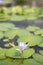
pixel 27 53
pixel 38 58
pixel 22 33
pixel 13 53
pixel 41 44
pixel 1 34
pixel 2 53
pixel 39 32
pixel 6 26
pixel 10 34
pixel 34 40
pixel 5 62
pixel 41 52
pixel 18 61
pixel 30 62
pixel 32 28
pixel 31 16
pixel 17 18
pixel 42 34
pixel 31 39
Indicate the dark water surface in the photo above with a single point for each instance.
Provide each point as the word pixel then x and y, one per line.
pixel 25 23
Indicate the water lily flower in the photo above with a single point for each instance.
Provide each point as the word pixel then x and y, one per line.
pixel 22 46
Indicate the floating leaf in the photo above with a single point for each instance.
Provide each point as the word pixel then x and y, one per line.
pixel 18 61
pixel 30 62
pixel 13 53
pixel 34 40
pixel 27 53
pixel 41 44
pixel 22 33
pixel 17 18
pixel 6 26
pixel 5 62
pixel 31 39
pixel 31 17
pixel 2 53
pixel 1 35
pixel 10 34
pixel 32 28
pixel 38 58
pixel 39 32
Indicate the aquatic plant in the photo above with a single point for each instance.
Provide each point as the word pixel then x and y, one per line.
pixel 28 49
pixel 19 13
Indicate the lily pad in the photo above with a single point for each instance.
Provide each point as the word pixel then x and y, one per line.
pixel 39 32
pixel 22 33
pixel 6 26
pixel 13 53
pixel 18 61
pixel 5 62
pixel 34 40
pixel 38 57
pixel 31 17
pixel 2 53
pixel 10 34
pixel 41 44
pixel 30 62
pixel 17 18
pixel 32 28
pixel 27 53
pixel 31 39
pixel 1 34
